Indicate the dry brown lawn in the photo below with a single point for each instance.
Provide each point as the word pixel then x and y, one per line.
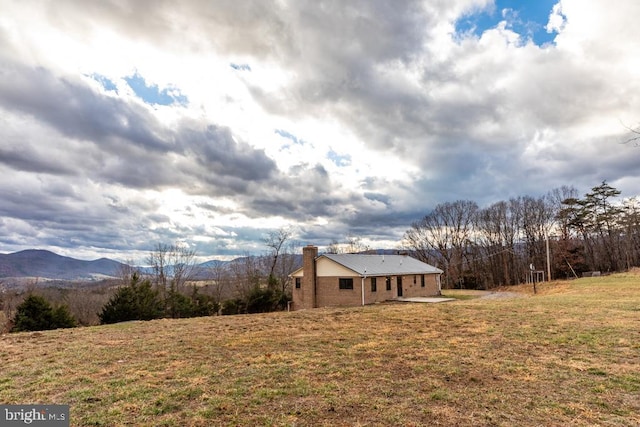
pixel 568 356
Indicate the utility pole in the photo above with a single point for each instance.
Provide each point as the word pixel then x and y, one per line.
pixel 548 260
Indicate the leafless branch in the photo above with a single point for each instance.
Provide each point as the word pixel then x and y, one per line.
pixel 635 138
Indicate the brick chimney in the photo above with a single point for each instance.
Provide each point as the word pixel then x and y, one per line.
pixel 308 283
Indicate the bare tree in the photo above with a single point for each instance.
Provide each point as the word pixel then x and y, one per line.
pixel 84 302
pixel 125 272
pixel 537 215
pixel 496 245
pixel 287 262
pixel 8 304
pixel 183 265
pixel 246 275
pixel 557 198
pixel 630 224
pixel 635 135
pixel 334 247
pixel 276 241
pixel 158 261
pixel 354 244
pixel 351 245
pixel 444 234
pixel 219 274
pixel 172 266
pixel 498 229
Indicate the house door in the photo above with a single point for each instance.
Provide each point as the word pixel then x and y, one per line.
pixel 399 278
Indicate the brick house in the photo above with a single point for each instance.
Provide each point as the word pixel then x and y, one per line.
pixel 355 279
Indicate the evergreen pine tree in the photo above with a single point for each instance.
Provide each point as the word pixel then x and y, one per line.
pixel 137 301
pixel 36 314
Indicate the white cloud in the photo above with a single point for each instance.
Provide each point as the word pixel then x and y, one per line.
pixel 396 113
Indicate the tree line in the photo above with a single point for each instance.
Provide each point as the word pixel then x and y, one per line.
pixel 559 233
pixel 172 285
pixel 507 242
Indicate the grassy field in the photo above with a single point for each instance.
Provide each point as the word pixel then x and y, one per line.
pixel 569 355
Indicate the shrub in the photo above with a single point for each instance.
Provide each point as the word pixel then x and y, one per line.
pixel 263 300
pixel 63 318
pixel 179 305
pixel 260 300
pixel 194 305
pixel 234 306
pixel 137 301
pixel 204 305
pixel 36 314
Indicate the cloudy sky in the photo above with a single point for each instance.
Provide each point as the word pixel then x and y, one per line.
pixel 125 123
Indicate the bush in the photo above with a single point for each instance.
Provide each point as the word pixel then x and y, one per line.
pixel 138 301
pixel 179 305
pixel 204 305
pixel 36 314
pixel 234 306
pixel 195 305
pixel 260 300
pixel 63 318
pixel 263 300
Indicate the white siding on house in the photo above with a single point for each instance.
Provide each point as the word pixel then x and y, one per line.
pixel 328 268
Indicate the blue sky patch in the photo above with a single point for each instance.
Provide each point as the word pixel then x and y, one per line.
pixel 107 84
pixel 289 136
pixel 527 18
pixel 339 159
pixel 152 94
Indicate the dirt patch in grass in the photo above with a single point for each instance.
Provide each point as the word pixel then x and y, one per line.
pixel 463 293
pixel 466 294
pixel 568 356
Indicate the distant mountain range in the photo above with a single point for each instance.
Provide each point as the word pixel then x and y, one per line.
pixel 28 265
pixel 48 265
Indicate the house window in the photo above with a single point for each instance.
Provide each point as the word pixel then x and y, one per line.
pixel 422 281
pixel 388 283
pixel 345 283
pixel 414 279
pixel 297 283
pixel 374 285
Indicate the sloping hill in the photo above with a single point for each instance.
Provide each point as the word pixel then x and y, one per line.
pixel 565 356
pixel 46 264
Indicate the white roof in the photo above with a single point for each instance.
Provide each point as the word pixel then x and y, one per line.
pixel 382 265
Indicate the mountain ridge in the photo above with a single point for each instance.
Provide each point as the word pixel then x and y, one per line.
pixel 49 265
